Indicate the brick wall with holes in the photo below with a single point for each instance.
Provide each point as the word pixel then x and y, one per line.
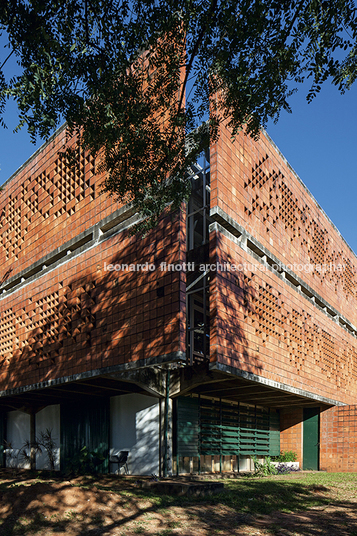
pixel 260 324
pixel 252 182
pixel 291 431
pixel 338 439
pixel 79 317
pixel 46 204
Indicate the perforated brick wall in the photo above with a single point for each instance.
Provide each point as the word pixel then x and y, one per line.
pixel 261 325
pixel 47 204
pixel 79 317
pixel 254 185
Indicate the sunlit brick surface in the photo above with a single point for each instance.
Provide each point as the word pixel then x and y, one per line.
pixel 46 204
pixel 252 183
pixel 261 325
pixel 79 317
pixel 338 443
pixel 291 431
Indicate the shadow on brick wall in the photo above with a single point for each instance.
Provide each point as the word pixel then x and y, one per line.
pixel 102 318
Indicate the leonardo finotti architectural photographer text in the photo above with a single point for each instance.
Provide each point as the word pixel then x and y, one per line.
pixel 222 267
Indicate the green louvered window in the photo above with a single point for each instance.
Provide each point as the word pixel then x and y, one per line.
pixel 274 439
pixel 208 427
pixel 187 427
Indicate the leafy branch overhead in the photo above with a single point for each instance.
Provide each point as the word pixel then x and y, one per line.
pixel 133 78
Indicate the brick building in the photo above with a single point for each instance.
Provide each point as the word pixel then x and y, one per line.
pixel 228 331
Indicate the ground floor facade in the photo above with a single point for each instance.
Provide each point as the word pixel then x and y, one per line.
pixel 175 420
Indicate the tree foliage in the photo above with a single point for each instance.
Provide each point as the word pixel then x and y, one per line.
pixel 133 78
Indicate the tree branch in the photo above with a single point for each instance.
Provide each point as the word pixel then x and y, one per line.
pixel 290 27
pixel 194 52
pixel 86 20
pixel 1 66
pixel 190 63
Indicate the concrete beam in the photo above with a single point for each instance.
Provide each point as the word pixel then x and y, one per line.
pixel 151 379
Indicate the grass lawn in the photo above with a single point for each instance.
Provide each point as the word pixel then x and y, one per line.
pixel 289 505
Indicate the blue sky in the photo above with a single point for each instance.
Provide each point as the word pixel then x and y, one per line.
pixel 319 140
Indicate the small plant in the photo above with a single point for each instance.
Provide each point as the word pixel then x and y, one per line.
pixel 44 442
pixel 285 456
pixel 264 468
pixel 48 443
pixel 25 451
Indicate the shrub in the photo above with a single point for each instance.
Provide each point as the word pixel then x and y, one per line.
pixel 285 456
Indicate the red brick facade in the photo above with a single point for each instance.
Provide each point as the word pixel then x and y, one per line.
pixel 45 205
pixel 76 316
pixel 282 298
pixel 263 326
pixel 81 318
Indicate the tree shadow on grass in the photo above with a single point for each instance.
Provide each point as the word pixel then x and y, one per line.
pixel 108 505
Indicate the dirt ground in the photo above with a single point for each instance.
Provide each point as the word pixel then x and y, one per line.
pixel 115 506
